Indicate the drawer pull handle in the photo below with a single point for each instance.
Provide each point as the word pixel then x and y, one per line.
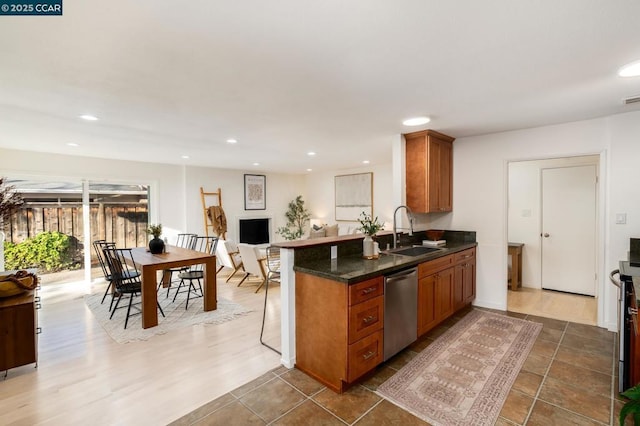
pixel 38 306
pixel 369 290
pixel 369 319
pixel 368 355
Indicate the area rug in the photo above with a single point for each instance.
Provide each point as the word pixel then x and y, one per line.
pixel 176 316
pixel 463 377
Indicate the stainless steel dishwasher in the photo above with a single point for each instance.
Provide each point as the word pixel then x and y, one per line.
pixel 400 311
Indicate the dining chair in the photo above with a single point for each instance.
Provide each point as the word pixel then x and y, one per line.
pixel 228 256
pixel 125 278
pixel 183 241
pixel 196 272
pixel 253 262
pixel 273 275
pixel 99 246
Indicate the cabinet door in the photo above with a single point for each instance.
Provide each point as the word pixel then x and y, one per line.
pixel 458 287
pixel 439 180
pixel 469 281
pixel 444 294
pixel 426 304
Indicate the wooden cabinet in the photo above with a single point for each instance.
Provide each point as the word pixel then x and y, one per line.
pixel 339 329
pixel 429 171
pixel 18 345
pixel 464 278
pixel 435 292
pixel 445 285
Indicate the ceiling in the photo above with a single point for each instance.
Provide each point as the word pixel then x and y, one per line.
pixel 286 77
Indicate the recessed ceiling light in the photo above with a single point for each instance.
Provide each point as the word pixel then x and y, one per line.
pixel 256 164
pixel 186 157
pixel 416 121
pixel 311 153
pixel 72 144
pixel 309 170
pixel 89 117
pixel 365 162
pixel 232 141
pixel 630 70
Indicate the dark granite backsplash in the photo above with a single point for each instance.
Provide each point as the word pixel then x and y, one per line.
pixel 354 247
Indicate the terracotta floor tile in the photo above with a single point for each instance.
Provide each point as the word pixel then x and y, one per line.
pixel 544 414
pixel 585 344
pixel 536 364
pixel 272 399
pixel 544 348
pixel 527 383
pixel 401 359
pixel 381 375
pixel 550 334
pixel 248 387
pixel 597 362
pixel 591 332
pixel 516 407
pixel 388 414
pixel 280 370
pixel 204 410
pixel 234 414
pixel 302 382
pixel 572 374
pixel 349 405
pixel 437 332
pixel 617 406
pixel 576 399
pixel 420 345
pixel 309 414
pixel 548 322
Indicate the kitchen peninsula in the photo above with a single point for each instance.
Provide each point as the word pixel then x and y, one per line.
pixel 339 303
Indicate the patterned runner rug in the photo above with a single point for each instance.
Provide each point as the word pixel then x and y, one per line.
pixel 176 316
pixel 463 378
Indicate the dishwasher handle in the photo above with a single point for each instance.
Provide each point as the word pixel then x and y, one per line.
pixel 402 273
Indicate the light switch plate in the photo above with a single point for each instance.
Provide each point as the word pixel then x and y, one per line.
pixel 621 218
pixel 334 252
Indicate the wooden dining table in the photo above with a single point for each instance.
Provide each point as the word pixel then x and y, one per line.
pixel 174 257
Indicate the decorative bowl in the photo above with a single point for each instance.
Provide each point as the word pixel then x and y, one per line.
pixel 434 234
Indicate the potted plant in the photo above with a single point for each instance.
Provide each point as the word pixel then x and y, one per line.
pixel 370 227
pixel 10 201
pixel 297 218
pixel 156 245
pixel 631 407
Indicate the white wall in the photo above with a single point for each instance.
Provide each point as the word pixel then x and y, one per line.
pixel 280 190
pixel 524 210
pixel 480 193
pixel 320 194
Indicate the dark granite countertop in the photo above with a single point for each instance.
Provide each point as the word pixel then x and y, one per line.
pixel 353 269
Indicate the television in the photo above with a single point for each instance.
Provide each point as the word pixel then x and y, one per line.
pixel 254 231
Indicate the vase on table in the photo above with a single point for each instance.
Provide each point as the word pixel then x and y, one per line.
pixel 156 245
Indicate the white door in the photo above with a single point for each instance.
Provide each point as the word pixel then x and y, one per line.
pixel 569 229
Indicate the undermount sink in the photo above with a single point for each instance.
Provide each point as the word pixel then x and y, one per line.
pixel 414 251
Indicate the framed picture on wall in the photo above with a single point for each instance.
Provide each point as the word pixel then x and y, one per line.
pixel 255 195
pixel 354 195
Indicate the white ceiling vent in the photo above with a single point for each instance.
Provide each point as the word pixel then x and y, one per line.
pixel 632 100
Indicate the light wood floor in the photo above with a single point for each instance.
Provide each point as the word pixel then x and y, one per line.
pixel 84 377
pixel 552 304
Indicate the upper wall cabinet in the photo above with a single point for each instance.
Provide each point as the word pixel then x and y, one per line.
pixel 429 168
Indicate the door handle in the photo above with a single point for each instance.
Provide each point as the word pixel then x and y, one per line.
pixel 546 235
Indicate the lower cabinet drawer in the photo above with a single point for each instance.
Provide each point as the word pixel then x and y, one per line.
pixel 365 318
pixel 364 355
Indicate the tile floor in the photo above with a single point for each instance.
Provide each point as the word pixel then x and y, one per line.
pixel 570 377
pixel 553 304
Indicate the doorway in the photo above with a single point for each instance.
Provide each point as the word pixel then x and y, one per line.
pixel 525 225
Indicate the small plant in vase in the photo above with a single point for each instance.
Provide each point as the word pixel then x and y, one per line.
pixel 370 227
pixel 156 245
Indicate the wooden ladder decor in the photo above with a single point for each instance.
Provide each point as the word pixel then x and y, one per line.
pixel 208 223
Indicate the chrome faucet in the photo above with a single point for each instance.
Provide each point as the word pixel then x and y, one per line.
pixel 395 227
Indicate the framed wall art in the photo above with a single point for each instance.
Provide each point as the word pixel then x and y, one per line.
pixel 354 195
pixel 255 192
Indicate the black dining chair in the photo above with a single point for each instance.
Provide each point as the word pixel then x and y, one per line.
pixel 195 272
pixel 183 241
pixel 125 278
pixel 99 246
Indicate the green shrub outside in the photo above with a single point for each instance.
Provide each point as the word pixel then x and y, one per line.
pixel 47 251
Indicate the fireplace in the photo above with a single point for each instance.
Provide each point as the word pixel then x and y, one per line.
pixel 254 231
